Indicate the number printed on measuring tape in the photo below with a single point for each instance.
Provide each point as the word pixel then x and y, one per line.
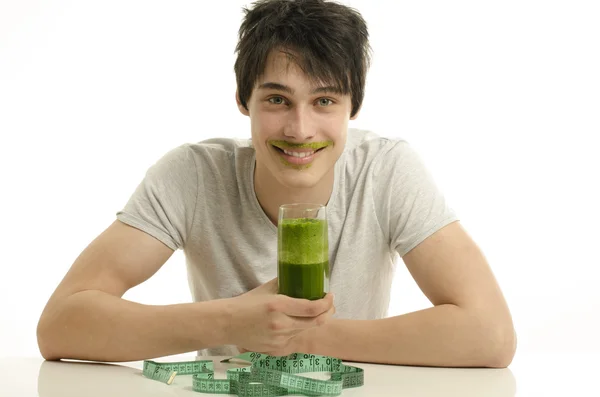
pixel 266 376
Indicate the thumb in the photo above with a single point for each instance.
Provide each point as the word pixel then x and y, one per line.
pixel 272 285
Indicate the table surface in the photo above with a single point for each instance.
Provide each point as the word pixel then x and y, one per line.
pixel 543 374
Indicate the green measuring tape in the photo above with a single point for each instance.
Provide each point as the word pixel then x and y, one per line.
pixel 266 376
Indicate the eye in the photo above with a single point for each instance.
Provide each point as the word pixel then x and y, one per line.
pixel 276 100
pixel 325 102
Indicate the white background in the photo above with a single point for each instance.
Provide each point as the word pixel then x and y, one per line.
pixel 502 99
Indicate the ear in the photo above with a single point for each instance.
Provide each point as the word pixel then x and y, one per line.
pixel 241 107
pixel 356 115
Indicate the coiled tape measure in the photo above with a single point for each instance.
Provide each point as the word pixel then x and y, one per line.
pixel 266 376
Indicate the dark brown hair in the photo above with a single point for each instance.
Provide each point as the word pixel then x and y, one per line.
pixel 327 40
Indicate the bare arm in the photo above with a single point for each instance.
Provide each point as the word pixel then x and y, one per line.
pixel 469 326
pixel 87 319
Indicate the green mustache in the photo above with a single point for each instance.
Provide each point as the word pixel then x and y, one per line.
pixel 312 145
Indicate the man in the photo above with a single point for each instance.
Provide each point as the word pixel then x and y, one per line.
pixel 300 72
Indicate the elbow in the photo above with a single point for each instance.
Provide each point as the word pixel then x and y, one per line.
pixel 48 354
pixel 44 339
pixel 43 344
pixel 501 346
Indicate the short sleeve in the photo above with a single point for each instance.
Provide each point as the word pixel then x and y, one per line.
pixel 409 205
pixel 163 204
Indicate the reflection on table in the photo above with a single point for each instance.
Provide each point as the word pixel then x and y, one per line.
pixel 65 379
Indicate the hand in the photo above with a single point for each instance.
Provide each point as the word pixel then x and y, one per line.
pixel 300 343
pixel 264 321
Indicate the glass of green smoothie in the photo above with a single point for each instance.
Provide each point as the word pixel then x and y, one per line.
pixel 303 251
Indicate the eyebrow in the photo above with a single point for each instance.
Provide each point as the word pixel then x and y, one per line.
pixel 289 90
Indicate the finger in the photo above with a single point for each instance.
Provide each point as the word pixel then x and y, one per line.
pixel 305 308
pixel 301 323
pixel 271 287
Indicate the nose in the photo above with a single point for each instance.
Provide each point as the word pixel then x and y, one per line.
pixel 299 124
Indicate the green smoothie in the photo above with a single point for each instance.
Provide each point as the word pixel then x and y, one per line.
pixel 303 258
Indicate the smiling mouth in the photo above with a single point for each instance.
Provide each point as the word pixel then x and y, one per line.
pixel 300 153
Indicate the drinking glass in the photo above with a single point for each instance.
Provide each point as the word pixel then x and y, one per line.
pixel 303 251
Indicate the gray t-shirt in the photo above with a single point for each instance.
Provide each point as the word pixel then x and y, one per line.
pixel 200 197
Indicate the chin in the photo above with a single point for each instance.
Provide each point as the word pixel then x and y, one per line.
pixel 298 179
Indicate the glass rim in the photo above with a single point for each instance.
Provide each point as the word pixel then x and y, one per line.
pixel 303 206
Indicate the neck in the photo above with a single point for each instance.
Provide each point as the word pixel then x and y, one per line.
pixel 271 194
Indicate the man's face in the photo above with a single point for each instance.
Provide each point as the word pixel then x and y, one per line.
pixel 298 128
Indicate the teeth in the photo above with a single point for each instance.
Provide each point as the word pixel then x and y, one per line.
pixel 296 154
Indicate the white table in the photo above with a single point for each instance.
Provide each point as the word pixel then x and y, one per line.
pixel 547 374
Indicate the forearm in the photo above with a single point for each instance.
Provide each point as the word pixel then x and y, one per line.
pixel 444 336
pixel 93 325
